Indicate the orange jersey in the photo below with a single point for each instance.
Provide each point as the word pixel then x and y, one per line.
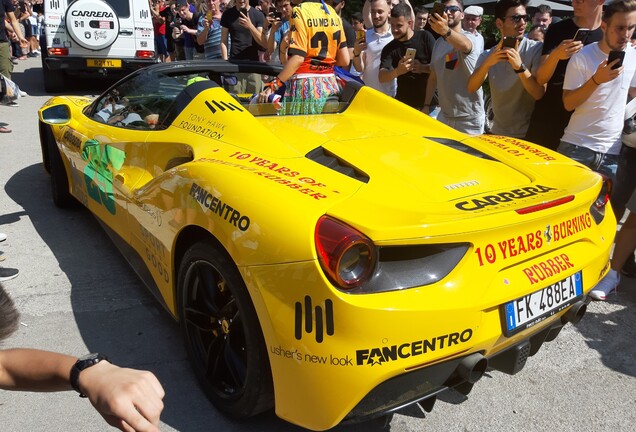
pixel 317 36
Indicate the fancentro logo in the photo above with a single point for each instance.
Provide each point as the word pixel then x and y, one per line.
pixel 380 355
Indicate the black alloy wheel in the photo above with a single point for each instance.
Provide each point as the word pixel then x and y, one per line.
pixel 222 333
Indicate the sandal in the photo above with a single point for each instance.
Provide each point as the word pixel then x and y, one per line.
pixel 4 130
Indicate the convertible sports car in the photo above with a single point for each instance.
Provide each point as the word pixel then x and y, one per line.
pixel 335 267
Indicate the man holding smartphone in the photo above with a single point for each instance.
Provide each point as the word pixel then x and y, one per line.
pixel 454 59
pixel 509 70
pixel 597 91
pixel 549 117
pixel 367 51
pixel 412 70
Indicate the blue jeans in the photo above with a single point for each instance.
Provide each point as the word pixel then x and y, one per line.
pixel 605 164
pixel 600 162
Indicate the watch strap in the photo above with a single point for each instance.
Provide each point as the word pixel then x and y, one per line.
pixel 521 69
pixel 447 35
pixel 81 364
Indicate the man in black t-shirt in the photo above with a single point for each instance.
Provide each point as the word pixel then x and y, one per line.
pixel 550 117
pixel 244 24
pixel 412 75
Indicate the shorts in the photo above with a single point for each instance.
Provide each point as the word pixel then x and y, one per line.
pixel 307 95
pixel 160 45
pixel 6 67
pixel 467 125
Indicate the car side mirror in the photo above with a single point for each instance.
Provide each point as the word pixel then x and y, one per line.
pixel 56 115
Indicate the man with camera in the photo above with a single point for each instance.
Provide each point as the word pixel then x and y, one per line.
pixel 407 58
pixel 279 19
pixel 244 24
pixel 454 58
pixel 509 67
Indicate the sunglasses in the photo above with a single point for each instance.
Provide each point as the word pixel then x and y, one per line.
pixel 517 18
pixel 452 9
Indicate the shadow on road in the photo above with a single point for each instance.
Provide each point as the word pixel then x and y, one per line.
pixel 116 314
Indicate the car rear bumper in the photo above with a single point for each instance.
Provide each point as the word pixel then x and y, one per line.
pixel 422 386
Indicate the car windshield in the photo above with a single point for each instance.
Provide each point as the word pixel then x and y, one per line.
pixel 153 98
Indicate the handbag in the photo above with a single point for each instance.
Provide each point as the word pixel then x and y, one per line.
pixel 629 128
pixel 9 91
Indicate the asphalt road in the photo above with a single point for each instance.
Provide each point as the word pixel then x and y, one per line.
pixel 78 295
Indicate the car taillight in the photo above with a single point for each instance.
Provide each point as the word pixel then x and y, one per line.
pixel 58 51
pixel 347 256
pixel 598 208
pixel 145 54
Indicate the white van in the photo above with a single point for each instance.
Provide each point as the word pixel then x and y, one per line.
pixel 107 37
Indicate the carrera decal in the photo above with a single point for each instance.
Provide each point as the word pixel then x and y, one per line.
pixel 304 319
pixel 505 143
pixel 379 355
pixel 224 210
pixel 548 268
pixel 531 241
pixel 98 173
pixel 503 197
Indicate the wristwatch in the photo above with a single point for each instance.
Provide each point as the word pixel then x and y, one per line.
pixel 448 33
pixel 81 364
pixel 521 69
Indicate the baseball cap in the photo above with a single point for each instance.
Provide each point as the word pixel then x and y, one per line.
pixel 474 10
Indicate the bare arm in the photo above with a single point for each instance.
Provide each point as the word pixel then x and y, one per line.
pixel 574 98
pixel 126 398
pixel 549 62
pixel 458 40
pixel 224 42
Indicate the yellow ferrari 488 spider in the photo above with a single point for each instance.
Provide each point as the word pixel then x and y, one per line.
pixel 335 267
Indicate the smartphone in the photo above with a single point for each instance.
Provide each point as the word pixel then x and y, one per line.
pixel 509 42
pixel 439 8
pixel 361 35
pixel 410 53
pixel 613 55
pixel 243 11
pixel 209 16
pixel 581 35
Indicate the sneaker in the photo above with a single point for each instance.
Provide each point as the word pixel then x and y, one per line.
pixel 3 237
pixel 23 93
pixel 13 104
pixel 8 273
pixel 606 286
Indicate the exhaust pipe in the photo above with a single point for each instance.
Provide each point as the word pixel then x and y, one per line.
pixel 575 313
pixel 472 368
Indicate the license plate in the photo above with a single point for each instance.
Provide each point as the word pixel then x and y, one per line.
pixel 528 310
pixel 103 63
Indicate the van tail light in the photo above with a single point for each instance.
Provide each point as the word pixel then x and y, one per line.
pixel 58 51
pixel 145 54
pixel 347 256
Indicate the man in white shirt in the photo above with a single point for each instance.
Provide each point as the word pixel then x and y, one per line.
pixel 471 22
pixel 367 52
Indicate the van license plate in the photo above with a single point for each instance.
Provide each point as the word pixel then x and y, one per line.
pixel 103 63
pixel 526 311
